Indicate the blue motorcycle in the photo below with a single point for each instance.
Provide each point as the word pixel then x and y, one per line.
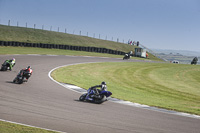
pixel 100 98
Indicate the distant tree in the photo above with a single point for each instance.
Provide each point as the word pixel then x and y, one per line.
pixel 194 61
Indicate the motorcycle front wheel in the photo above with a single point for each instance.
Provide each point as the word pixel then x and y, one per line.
pixel 82 97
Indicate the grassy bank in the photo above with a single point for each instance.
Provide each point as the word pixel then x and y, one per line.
pixel 170 86
pixel 11 33
pixel 6 127
pixel 21 34
pixel 27 50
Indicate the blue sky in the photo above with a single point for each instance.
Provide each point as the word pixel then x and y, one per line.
pixel 162 24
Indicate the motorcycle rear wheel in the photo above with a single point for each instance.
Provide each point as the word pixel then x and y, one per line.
pixel 101 100
pixel 3 68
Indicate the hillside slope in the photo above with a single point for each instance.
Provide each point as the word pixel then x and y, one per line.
pixel 21 34
pixel 29 35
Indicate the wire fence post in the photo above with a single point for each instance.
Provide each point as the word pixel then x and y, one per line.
pixel 26 25
pixel 34 26
pixel 8 22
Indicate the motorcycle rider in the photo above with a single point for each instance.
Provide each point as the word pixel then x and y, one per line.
pixel 92 91
pixel 12 63
pixel 25 71
pixel 128 55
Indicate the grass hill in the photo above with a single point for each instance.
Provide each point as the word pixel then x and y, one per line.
pixel 29 35
pixel 21 34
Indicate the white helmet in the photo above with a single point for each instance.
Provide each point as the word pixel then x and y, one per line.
pixel 103 85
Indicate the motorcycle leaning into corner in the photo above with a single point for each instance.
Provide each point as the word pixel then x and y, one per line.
pixel 23 75
pixel 128 55
pixel 8 65
pixel 98 98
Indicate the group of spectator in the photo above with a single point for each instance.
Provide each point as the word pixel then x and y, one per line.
pixel 130 42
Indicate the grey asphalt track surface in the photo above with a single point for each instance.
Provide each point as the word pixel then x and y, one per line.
pixel 43 103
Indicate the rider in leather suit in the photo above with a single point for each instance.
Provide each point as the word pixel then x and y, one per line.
pixel 92 91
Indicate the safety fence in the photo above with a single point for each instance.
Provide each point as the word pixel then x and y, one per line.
pixel 60 46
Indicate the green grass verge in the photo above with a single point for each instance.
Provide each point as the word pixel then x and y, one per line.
pixel 6 127
pixel 27 50
pixel 169 86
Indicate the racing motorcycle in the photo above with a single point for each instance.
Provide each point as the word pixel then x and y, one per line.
pixel 22 77
pixel 100 98
pixel 5 66
pixel 126 56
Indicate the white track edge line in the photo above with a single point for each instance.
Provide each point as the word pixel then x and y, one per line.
pixel 126 102
pixel 31 126
pixel 49 74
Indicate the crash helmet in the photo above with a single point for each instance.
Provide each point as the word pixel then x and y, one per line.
pixel 29 67
pixel 13 59
pixel 103 85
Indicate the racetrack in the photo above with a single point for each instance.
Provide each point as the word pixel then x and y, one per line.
pixel 42 103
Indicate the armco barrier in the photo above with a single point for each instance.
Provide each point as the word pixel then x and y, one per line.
pixel 60 46
pixel 9 43
pixel 5 44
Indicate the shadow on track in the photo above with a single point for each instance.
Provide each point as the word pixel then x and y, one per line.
pixel 11 82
